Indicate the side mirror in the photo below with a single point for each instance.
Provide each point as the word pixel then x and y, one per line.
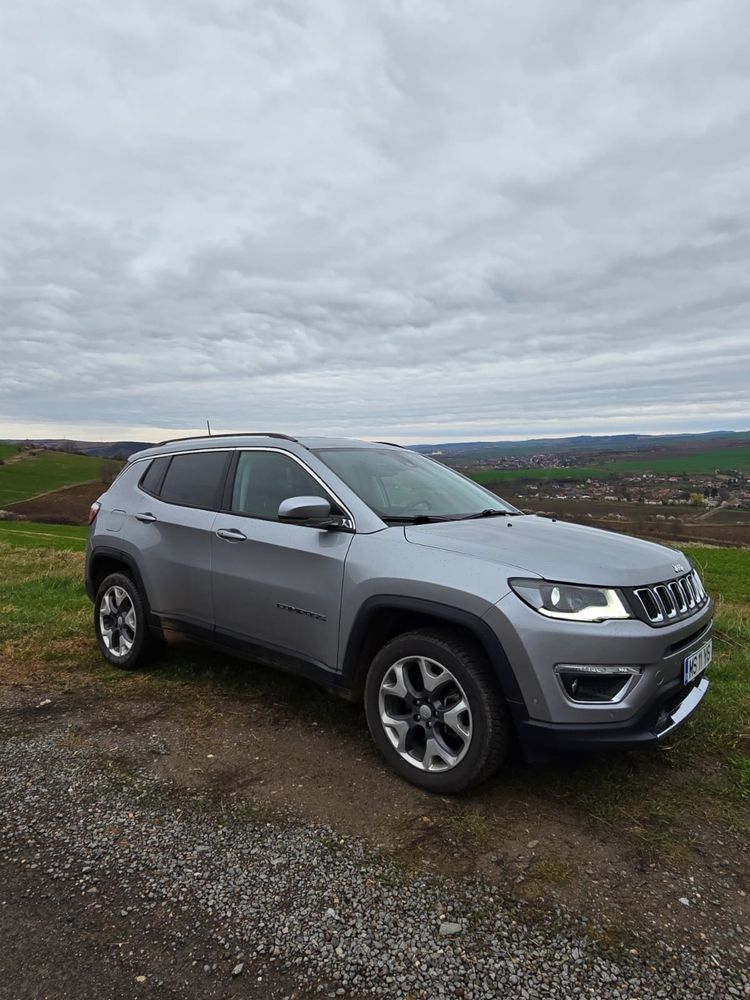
pixel 310 509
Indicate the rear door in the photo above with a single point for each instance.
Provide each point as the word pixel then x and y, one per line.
pixel 176 504
pixel 274 583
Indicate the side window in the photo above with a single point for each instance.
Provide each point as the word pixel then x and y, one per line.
pixel 151 480
pixel 195 480
pixel 265 478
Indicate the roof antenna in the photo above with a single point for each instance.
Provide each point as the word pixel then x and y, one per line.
pixel 208 426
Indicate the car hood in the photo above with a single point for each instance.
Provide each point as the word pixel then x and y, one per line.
pixel 555 550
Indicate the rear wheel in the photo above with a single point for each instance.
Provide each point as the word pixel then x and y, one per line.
pixel 435 711
pixel 121 624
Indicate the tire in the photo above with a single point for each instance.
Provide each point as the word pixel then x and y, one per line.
pixel 468 745
pixel 129 643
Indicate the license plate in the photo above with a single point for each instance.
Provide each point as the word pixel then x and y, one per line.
pixel 697 662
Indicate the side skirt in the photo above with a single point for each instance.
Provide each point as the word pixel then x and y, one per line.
pixel 254 650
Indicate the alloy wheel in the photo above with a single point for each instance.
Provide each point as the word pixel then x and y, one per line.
pixel 425 713
pixel 117 621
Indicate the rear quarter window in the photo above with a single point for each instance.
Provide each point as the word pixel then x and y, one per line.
pixel 152 478
pixel 195 480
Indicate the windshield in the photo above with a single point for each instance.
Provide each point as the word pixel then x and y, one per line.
pixel 404 485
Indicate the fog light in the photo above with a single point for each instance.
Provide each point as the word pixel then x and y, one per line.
pixel 596 682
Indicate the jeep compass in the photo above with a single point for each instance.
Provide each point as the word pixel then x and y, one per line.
pixel 461 623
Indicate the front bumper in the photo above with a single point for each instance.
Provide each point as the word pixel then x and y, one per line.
pixel 656 704
pixel 651 726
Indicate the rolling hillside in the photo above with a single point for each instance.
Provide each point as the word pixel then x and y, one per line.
pixel 25 474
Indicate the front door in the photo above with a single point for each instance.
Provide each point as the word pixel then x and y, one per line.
pixel 273 583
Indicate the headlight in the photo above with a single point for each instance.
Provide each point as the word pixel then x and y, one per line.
pixel 571 602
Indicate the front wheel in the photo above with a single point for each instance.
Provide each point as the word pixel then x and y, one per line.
pixel 435 711
pixel 121 625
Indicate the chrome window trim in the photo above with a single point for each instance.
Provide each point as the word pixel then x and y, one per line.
pixel 352 525
pixel 139 484
pixel 174 454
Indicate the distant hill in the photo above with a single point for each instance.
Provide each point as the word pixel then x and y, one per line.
pixel 96 449
pixel 611 445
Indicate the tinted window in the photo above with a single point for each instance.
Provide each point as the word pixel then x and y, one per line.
pixel 195 480
pixel 154 475
pixel 265 478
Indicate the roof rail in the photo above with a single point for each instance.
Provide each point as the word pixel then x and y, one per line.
pixel 390 444
pixel 206 437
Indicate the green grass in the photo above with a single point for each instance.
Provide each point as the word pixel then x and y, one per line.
pixel 697 463
pixel 27 535
pixel 6 450
pixel 726 572
pixel 47 602
pixel 49 470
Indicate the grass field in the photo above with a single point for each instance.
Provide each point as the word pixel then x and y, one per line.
pixel 7 450
pixel 699 462
pixel 46 635
pixel 43 536
pixel 702 461
pixel 49 470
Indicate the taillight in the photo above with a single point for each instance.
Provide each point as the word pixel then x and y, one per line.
pixel 95 508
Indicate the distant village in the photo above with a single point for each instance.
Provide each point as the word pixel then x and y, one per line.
pixel 729 488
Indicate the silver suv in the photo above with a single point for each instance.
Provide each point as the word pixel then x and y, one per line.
pixel 387 577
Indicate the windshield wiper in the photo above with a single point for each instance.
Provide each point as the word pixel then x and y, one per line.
pixel 414 518
pixel 435 518
pixel 491 512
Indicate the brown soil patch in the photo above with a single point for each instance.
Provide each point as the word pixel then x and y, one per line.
pixel 69 505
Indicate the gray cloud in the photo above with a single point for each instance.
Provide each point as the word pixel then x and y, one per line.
pixel 415 221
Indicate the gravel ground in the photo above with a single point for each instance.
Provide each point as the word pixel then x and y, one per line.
pixel 273 908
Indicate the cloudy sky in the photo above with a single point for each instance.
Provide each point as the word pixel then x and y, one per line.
pixel 410 219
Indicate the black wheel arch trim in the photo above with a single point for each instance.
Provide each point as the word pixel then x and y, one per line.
pixel 353 670
pixel 107 552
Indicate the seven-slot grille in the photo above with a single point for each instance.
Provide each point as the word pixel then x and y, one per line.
pixel 670 601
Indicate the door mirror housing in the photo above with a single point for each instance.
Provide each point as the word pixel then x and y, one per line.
pixel 315 511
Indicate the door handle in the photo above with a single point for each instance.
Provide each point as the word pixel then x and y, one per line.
pixel 146 517
pixel 231 534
